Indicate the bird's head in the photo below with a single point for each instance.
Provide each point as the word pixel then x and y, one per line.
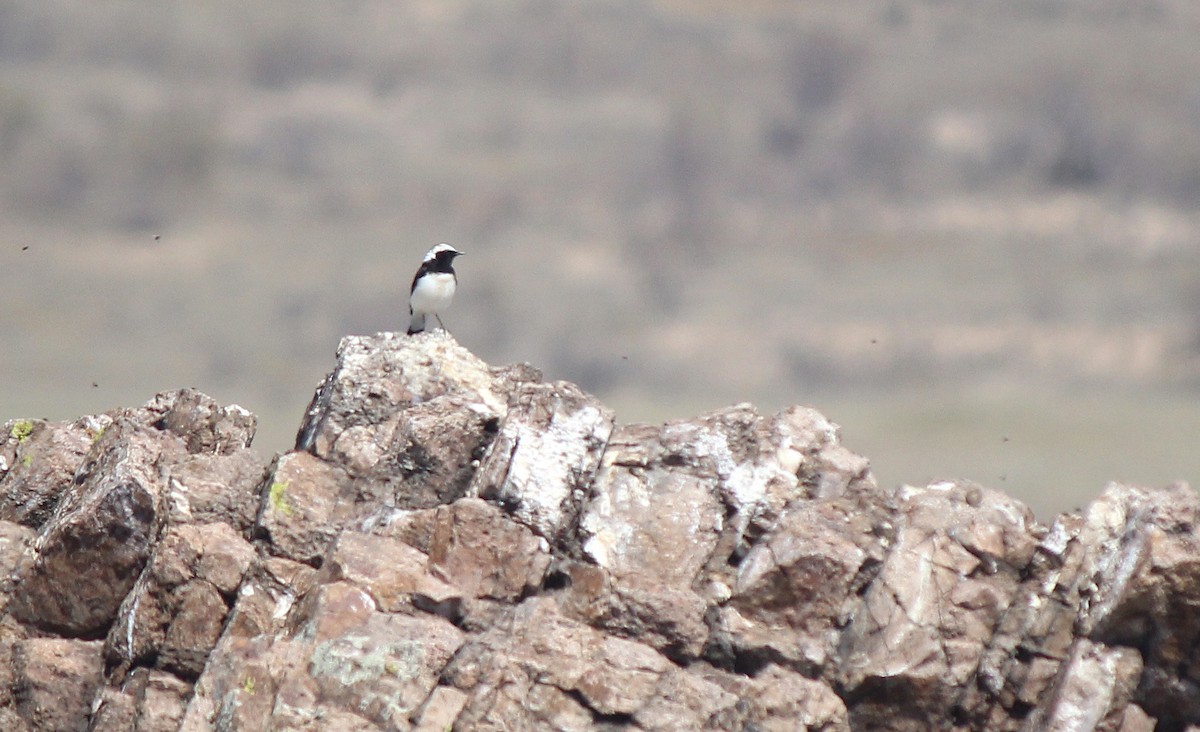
pixel 443 253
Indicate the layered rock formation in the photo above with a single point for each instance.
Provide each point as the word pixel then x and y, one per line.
pixel 454 546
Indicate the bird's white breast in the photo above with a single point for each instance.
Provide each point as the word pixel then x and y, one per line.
pixel 433 292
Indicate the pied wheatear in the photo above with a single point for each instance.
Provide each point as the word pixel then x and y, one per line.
pixel 432 287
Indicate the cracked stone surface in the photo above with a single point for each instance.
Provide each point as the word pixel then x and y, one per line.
pixel 457 546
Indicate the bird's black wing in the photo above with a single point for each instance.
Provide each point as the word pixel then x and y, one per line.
pixel 421 272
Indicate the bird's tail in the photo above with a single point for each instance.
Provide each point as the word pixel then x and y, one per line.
pixel 417 324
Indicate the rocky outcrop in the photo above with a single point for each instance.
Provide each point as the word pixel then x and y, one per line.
pixel 454 546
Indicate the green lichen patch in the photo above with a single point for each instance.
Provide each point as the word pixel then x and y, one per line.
pixel 279 500
pixel 21 430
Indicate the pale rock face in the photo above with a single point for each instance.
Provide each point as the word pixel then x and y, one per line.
pixel 545 456
pixel 455 546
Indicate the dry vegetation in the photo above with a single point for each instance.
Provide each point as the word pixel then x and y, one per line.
pixel 888 211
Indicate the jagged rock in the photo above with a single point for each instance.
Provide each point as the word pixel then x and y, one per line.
pixel 1118 574
pixel 341 653
pixel 213 488
pixel 205 426
pixel 176 610
pixel 777 699
pixel 541 464
pixel 453 546
pixel 53 682
pixel 675 509
pixel 472 544
pixel 307 502
pixel 376 379
pixel 15 543
pixel 148 701
pixel 396 576
pixel 90 551
pixel 38 460
pixel 112 495
pixel 440 710
pixel 574 672
pixel 1140 583
pixel 1093 691
pixel 952 568
pixel 793 593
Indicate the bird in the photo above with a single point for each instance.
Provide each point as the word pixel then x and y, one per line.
pixel 432 287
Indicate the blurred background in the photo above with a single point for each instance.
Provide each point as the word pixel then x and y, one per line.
pixel 968 232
